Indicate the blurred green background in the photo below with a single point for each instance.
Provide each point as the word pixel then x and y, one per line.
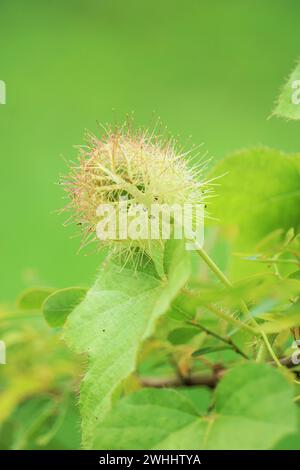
pixel 210 69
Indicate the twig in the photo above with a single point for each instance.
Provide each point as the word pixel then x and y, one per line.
pixel 207 380
pixel 227 341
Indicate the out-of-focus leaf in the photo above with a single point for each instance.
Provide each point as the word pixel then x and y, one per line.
pixel 43 422
pixel 187 304
pixel 295 275
pixel 280 321
pixel 259 193
pixel 289 442
pixel 61 303
pixel 208 350
pixel 33 298
pixel 23 386
pixel 182 335
pixel 278 292
pixel 38 364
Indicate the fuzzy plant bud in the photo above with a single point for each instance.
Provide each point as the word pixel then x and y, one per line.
pixel 126 170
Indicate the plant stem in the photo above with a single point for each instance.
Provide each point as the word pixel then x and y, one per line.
pixel 230 319
pixel 227 341
pixel 224 316
pixel 261 355
pixel 208 380
pixel 274 260
pixel 216 270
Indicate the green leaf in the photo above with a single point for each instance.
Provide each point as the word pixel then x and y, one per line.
pixel 295 275
pixel 33 298
pixel 117 315
pixel 277 293
pixel 199 396
pixel 280 321
pixel 42 422
pixel 259 192
pixel 147 419
pixel 182 335
pixel 253 410
pixel 208 350
pixel 60 304
pixel 288 103
pixel 183 308
pixel 289 442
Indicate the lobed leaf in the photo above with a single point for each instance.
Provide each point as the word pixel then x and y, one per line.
pixel 117 315
pixel 254 410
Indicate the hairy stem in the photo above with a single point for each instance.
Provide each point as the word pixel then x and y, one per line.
pixel 214 268
pixel 262 353
pixel 221 276
pixel 230 319
pixel 227 341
